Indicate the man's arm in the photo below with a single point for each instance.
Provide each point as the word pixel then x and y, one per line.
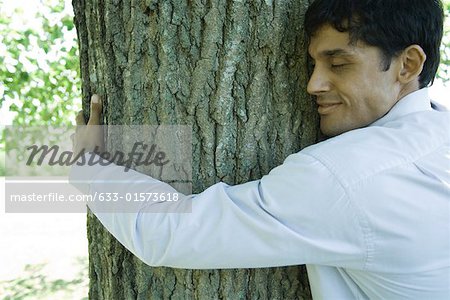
pixel 288 217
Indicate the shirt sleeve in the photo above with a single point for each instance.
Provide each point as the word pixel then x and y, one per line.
pixel 297 214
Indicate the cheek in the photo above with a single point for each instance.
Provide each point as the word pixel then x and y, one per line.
pixel 368 111
pixel 360 110
pixel 367 99
pixel 380 103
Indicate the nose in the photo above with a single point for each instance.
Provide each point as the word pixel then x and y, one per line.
pixel 318 83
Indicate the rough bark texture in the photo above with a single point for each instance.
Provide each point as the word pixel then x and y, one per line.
pixel 235 71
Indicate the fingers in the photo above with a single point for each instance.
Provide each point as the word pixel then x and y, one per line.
pixel 80 118
pixel 96 110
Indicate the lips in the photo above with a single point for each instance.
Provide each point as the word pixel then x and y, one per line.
pixel 326 107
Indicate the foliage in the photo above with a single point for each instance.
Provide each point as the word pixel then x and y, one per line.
pixel 39 67
pixel 444 68
pixel 2 159
pixel 35 285
pixel 39 71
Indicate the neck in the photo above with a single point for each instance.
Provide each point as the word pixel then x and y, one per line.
pixel 407 89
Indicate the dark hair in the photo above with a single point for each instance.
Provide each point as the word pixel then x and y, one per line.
pixel 390 25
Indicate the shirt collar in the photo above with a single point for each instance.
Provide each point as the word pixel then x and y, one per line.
pixel 411 103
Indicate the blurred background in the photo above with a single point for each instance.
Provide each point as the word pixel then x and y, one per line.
pixel 44 256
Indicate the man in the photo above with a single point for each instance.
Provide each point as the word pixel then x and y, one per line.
pixel 367 210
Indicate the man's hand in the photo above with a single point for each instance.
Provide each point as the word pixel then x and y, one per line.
pixel 89 138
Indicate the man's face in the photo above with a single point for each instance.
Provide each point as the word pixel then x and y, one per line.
pixel 352 90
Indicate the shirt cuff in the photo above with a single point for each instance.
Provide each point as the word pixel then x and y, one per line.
pixel 82 173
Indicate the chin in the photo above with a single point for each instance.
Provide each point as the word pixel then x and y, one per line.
pixel 330 132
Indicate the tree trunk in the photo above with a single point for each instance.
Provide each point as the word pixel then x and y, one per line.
pixel 236 71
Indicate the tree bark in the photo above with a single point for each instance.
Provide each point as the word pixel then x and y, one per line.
pixel 236 71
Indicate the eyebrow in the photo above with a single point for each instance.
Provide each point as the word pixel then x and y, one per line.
pixel 336 53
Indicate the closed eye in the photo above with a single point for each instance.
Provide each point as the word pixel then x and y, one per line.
pixel 336 66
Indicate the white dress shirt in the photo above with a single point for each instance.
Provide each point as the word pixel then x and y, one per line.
pixel 368 211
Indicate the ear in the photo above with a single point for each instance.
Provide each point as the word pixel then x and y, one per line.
pixel 412 60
